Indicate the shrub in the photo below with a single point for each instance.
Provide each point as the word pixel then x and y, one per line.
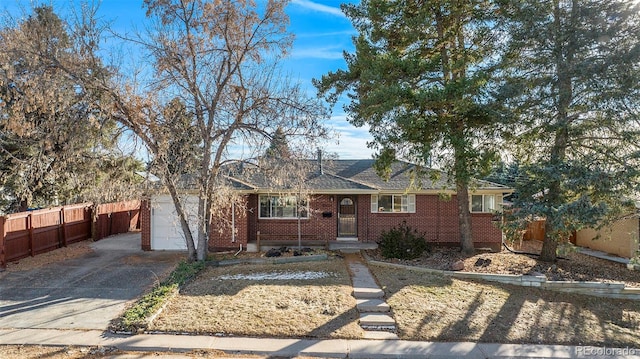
pixel 402 242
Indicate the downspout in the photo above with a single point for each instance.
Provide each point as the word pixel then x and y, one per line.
pixel 233 222
pixel 233 227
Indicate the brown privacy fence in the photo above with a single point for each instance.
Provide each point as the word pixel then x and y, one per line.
pixel 536 231
pixel 35 232
pixel 114 218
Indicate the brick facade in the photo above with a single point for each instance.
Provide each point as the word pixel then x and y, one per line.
pixel 435 217
pixel 145 224
pixel 322 227
pixel 221 236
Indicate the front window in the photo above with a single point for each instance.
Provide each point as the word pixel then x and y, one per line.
pixel 282 207
pixel 393 203
pixel 484 203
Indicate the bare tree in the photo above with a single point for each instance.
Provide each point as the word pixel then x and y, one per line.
pixel 221 60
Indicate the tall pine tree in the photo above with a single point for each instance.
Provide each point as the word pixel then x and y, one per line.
pixel 572 78
pixel 419 79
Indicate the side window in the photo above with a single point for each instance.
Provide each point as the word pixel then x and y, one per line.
pixel 476 203
pixel 485 203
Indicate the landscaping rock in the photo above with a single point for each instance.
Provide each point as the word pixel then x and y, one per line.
pixel 482 262
pixel 273 253
pixel 457 266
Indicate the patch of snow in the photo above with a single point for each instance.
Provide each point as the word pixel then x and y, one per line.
pixel 308 275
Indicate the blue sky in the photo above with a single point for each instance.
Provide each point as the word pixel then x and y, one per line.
pixel 321 31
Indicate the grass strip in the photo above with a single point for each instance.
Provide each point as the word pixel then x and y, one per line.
pixel 135 318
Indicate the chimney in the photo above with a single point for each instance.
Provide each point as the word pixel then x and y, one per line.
pixel 320 161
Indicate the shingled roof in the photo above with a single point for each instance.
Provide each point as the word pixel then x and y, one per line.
pixel 356 175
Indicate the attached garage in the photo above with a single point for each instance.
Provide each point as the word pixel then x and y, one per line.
pixel 166 232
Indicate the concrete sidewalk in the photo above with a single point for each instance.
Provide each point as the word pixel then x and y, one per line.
pixel 336 348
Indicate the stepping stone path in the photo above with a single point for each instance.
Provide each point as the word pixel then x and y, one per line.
pixel 375 316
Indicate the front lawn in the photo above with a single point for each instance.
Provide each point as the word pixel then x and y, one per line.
pixel 437 308
pixel 311 299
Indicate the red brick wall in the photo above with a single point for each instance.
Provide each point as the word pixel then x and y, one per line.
pixel 435 217
pixel 145 224
pixel 316 225
pixel 221 237
pixel 364 217
pixel 485 232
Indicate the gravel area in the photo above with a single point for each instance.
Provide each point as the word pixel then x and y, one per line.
pixel 576 266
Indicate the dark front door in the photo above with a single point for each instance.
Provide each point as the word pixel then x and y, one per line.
pixel 347 216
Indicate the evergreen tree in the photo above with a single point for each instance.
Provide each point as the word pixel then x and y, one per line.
pixel 56 147
pixel 572 77
pixel 419 78
pixel 279 147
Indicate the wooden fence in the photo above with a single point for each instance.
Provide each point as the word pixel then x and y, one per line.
pixel 35 232
pixel 114 218
pixel 536 231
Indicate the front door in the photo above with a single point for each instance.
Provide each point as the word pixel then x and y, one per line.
pixel 347 216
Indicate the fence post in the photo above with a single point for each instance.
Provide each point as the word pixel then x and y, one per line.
pixel 63 228
pixel 3 235
pixel 93 214
pixel 30 226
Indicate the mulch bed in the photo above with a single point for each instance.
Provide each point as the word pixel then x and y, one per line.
pixel 576 266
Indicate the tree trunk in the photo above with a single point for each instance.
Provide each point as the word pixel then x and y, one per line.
pixel 184 223
pixel 550 244
pixel 462 187
pixel 464 218
pixel 203 240
pixel 564 62
pixel 23 206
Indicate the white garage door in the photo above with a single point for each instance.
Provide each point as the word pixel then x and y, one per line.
pixel 166 233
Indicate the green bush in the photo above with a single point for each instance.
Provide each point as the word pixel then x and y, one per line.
pixel 135 317
pixel 402 242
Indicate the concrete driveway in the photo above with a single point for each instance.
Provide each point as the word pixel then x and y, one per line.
pixel 82 293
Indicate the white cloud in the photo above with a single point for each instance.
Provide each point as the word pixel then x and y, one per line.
pixel 327 34
pixel 319 7
pixel 351 141
pixel 327 53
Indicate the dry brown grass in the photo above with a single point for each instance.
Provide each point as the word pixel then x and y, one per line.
pixel 437 308
pixel 71 251
pixel 318 308
pixel 576 266
pixel 56 352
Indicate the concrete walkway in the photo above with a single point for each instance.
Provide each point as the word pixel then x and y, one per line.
pixel 603 255
pixel 375 313
pixel 289 348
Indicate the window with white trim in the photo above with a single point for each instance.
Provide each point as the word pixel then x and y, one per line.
pixel 393 203
pixel 485 203
pixel 275 206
